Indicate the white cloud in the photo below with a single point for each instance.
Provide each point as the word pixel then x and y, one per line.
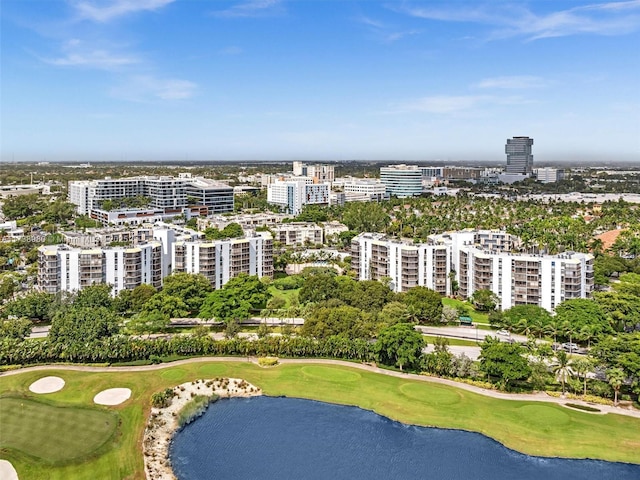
pixel 252 8
pixel 610 18
pixel 106 11
pixel 100 59
pixel 383 32
pixel 512 82
pixel 442 104
pixel 144 88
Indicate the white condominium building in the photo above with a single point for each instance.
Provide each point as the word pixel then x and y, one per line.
pixel 365 190
pixel 293 195
pixel 65 269
pixel 165 193
pixel 407 265
pixel 298 233
pixel 477 260
pixel 221 260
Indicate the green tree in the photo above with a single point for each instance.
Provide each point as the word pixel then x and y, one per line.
pixel 503 361
pixel 249 288
pixel 94 296
pixel 225 306
pixel 165 304
pixel 616 377
pixel 17 329
pixel 526 318
pixel 83 324
pixel 148 323
pixel 578 312
pixel 365 217
pixel 36 306
pixel 319 287
pixel 399 345
pixel 562 369
pixel 582 366
pixel 424 304
pixel 484 300
pixel 191 288
pixel 392 313
pixel 141 295
pixel 344 320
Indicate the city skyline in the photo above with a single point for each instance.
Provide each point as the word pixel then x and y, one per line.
pixel 146 80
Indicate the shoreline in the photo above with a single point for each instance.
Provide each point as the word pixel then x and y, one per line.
pixel 162 423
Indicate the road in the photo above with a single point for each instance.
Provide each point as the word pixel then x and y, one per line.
pixel 468 333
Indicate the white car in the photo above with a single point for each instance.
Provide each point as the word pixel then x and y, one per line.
pixel 503 332
pixel 570 347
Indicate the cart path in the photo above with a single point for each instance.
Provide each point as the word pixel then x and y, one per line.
pixel 530 397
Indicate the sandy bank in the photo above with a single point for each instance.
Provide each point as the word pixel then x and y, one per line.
pixel 163 422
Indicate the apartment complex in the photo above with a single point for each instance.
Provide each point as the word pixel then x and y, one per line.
pixel 298 233
pixel 64 268
pixel 519 157
pixel 322 173
pixel 402 180
pixel 221 260
pixel 292 195
pixel 477 260
pixel 365 190
pixel 166 194
pixel 407 265
pixel 549 175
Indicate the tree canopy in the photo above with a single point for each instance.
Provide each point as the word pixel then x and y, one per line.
pixel 399 345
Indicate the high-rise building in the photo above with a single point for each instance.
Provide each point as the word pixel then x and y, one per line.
pixel 477 260
pixel 519 156
pixel 322 173
pixel 549 175
pixel 402 180
pixel 62 268
pixel 292 195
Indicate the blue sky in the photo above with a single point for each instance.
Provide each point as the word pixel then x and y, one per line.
pixel 312 80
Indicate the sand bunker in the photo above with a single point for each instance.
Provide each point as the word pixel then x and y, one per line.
pixel 47 385
pixel 7 472
pixel 112 396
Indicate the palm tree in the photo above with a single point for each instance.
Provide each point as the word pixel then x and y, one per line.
pixel 616 377
pixel 582 366
pixel 562 369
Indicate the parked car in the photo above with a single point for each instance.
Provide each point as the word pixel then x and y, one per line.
pixel 570 347
pixel 503 332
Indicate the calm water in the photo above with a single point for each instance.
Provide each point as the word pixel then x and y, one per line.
pixel 287 438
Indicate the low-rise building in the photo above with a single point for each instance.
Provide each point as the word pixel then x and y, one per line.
pixel 298 233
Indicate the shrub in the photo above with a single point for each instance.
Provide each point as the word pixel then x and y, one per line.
pixel 268 361
pixel 155 359
pixel 162 399
pixel 194 408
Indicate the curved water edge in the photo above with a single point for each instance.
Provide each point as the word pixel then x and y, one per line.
pixel 163 422
pixel 289 438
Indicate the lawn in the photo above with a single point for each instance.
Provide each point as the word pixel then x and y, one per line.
pixel 477 317
pixel 531 427
pixel 65 433
pixel 287 295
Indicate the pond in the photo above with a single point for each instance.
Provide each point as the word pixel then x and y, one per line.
pixel 289 438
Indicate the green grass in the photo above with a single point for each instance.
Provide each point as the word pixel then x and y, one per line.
pixel 531 427
pixel 456 342
pixel 65 433
pixel 287 295
pixel 477 317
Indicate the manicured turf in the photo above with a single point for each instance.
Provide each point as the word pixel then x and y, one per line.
pixel 531 427
pixel 477 317
pixel 287 295
pixel 64 434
